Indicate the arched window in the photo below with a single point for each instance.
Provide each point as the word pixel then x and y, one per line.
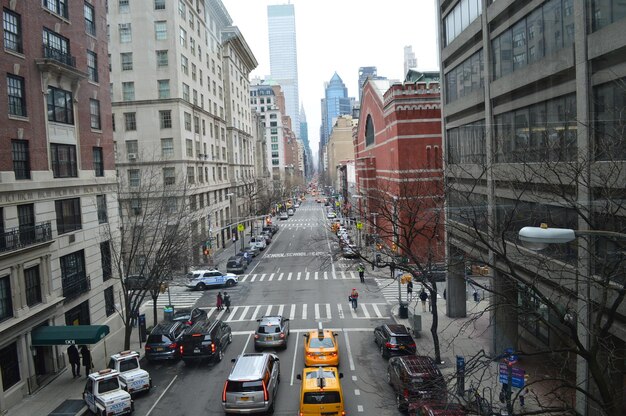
pixel 369 131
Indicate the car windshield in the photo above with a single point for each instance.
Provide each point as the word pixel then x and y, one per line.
pixel 321 343
pixel 182 315
pixel 107 385
pixel 128 365
pixel 157 339
pixel 321 397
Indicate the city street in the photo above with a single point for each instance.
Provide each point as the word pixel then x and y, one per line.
pixel 299 276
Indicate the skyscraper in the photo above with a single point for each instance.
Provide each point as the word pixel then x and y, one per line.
pixel 410 62
pixel 281 21
pixel 335 103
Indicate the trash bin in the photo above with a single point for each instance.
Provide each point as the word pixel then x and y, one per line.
pixel 404 310
pixel 168 313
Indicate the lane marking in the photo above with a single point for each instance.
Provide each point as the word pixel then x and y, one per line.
pixel 325 275
pixel 304 308
pixel 161 396
pixel 357 392
pixel 256 311
pixel 292 313
pixel 253 277
pixel 280 310
pixel 317 311
pixel 365 311
pixel 262 277
pixel 299 274
pixel 359 409
pixel 350 359
pixel 316 273
pixel 293 364
pixel 268 311
pixel 307 275
pixel 271 277
pixel 328 311
pixel 243 314
pixel 289 276
pixel 340 308
pixel 376 310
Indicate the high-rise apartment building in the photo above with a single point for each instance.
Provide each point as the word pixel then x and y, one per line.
pixel 533 120
pixel 281 20
pixel 57 189
pixel 179 81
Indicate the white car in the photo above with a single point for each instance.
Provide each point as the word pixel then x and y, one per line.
pixel 290 212
pixel 201 279
pixel 258 242
pixel 331 215
pixel 133 378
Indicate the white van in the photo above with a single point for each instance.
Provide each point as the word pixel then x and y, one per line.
pixel 258 242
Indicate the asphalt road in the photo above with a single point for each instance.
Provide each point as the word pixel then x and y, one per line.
pixel 301 276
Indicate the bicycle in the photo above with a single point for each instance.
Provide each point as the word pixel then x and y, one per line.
pixel 478 403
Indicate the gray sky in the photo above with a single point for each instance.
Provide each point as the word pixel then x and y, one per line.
pixel 343 35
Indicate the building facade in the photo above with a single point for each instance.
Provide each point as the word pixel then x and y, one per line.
pixel 281 23
pixel 57 187
pixel 335 103
pixel 340 146
pixel 533 95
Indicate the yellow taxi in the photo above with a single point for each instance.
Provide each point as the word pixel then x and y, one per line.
pixel 321 348
pixel 321 392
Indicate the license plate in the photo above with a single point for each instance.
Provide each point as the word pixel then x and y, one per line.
pixel 196 350
pixel 244 399
pixel 401 347
pixel 269 338
pixel 159 349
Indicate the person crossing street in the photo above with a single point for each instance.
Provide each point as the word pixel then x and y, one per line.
pixel 227 301
pixel 354 298
pixel 361 270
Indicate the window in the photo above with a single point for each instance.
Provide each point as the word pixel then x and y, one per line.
pixel 162 59
pixel 15 92
pixel 182 9
pixel 124 6
pixel 57 47
pixel 8 355
pixel 189 147
pixel 90 20
pixel 98 162
pixel 187 121
pixel 94 113
pixel 101 206
pixel 6 303
pixel 160 31
pixel 63 160
pixel 105 260
pixel 92 66
pixel 132 146
pixel 32 285
pixel 196 127
pixel 68 215
pixel 128 91
pixel 109 301
pixel 133 178
pixel 369 131
pixel 127 61
pixel 21 159
pixel 78 315
pixel 159 4
pixel 126 34
pixel 164 88
pixel 274 147
pixel 167 147
pixel 165 119
pixel 169 176
pixel 191 175
pixel 73 276
pixel 56 6
pixel 184 64
pixel 60 106
pixel 183 37
pixel 185 92
pixel 130 121
pixel 12 25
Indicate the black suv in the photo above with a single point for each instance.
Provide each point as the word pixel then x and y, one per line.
pixel 415 379
pixel 204 341
pixel 162 343
pixel 394 340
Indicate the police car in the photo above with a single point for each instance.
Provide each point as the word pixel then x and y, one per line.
pixel 132 377
pixel 104 395
pixel 202 279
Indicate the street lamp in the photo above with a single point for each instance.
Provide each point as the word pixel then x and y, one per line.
pixel 538 238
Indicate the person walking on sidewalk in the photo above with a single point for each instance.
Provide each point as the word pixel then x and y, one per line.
pixel 220 301
pixel 361 270
pixel 87 363
pixel 409 290
pixel 423 298
pixel 74 358
pixel 227 301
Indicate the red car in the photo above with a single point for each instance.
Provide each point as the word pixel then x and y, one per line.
pixel 436 409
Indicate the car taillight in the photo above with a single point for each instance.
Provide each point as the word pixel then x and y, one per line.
pixel 256 336
pixel 212 347
pixel 406 394
pixel 189 323
pixel 173 346
pixel 390 345
pixel 265 394
pixel 412 345
pixel 282 335
pixel 224 391
pixel 147 348
pixel 181 350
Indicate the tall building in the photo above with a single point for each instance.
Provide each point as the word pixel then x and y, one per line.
pixel 304 135
pixel 57 190
pixel 410 62
pixel 534 107
pixel 192 78
pixel 340 146
pixel 281 21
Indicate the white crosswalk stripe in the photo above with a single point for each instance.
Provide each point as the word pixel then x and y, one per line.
pixel 181 297
pixel 320 311
pixel 261 277
pixel 389 288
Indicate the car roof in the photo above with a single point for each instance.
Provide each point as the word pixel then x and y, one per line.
pixel 419 365
pixel 200 327
pixel 204 271
pixel 248 366
pixel 164 327
pixel 270 318
pixel 125 354
pixel 397 329
pixel 310 379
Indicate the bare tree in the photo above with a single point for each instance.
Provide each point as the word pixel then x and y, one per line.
pixel 152 241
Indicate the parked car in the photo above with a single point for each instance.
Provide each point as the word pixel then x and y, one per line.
pixel 189 315
pixel 272 332
pixel 205 341
pixel 258 242
pixel 290 212
pixel 162 343
pixel 252 384
pixel 331 215
pixel 252 250
pixel 394 339
pixel 415 379
pixel 202 279
pixel 236 264
pixel 284 216
pixel 350 251
pixel 268 237
pixel 246 255
pixel 273 229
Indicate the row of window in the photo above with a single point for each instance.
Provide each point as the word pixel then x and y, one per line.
pixel 465 78
pixel 460 17
pixel 547 29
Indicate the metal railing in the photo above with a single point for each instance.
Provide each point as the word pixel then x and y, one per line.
pixel 20 237
pixel 59 56
pixel 75 286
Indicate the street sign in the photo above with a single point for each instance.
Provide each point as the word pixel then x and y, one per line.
pixel 517 373
pixel 359 225
pixel 240 227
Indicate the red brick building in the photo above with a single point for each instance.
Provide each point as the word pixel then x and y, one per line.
pixel 399 162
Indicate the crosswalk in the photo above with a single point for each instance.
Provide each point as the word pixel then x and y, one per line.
pixel 296 276
pixel 181 297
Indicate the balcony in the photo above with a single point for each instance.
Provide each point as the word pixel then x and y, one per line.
pixel 57 61
pixel 21 237
pixel 75 285
pixel 59 56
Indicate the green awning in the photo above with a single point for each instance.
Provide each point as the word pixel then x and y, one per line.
pixel 70 334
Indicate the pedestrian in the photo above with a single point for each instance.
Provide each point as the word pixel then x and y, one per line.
pixel 361 270
pixel 74 358
pixel 87 363
pixel 220 301
pixel 354 297
pixel 476 296
pixel 444 294
pixel 409 290
pixel 423 297
pixel 227 301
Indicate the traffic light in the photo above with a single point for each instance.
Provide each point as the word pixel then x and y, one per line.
pixel 205 250
pixel 379 246
pixel 394 247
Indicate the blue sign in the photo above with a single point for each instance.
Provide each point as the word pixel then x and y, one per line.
pixel 517 375
pixel 460 362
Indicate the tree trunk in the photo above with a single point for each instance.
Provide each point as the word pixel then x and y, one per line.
pixel 128 331
pixel 154 312
pixel 435 325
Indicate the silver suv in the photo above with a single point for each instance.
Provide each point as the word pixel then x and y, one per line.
pixel 272 332
pixel 252 384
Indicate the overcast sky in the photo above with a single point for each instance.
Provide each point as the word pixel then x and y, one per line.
pixel 341 36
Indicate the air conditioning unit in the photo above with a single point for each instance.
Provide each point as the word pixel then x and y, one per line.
pixel 132 156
